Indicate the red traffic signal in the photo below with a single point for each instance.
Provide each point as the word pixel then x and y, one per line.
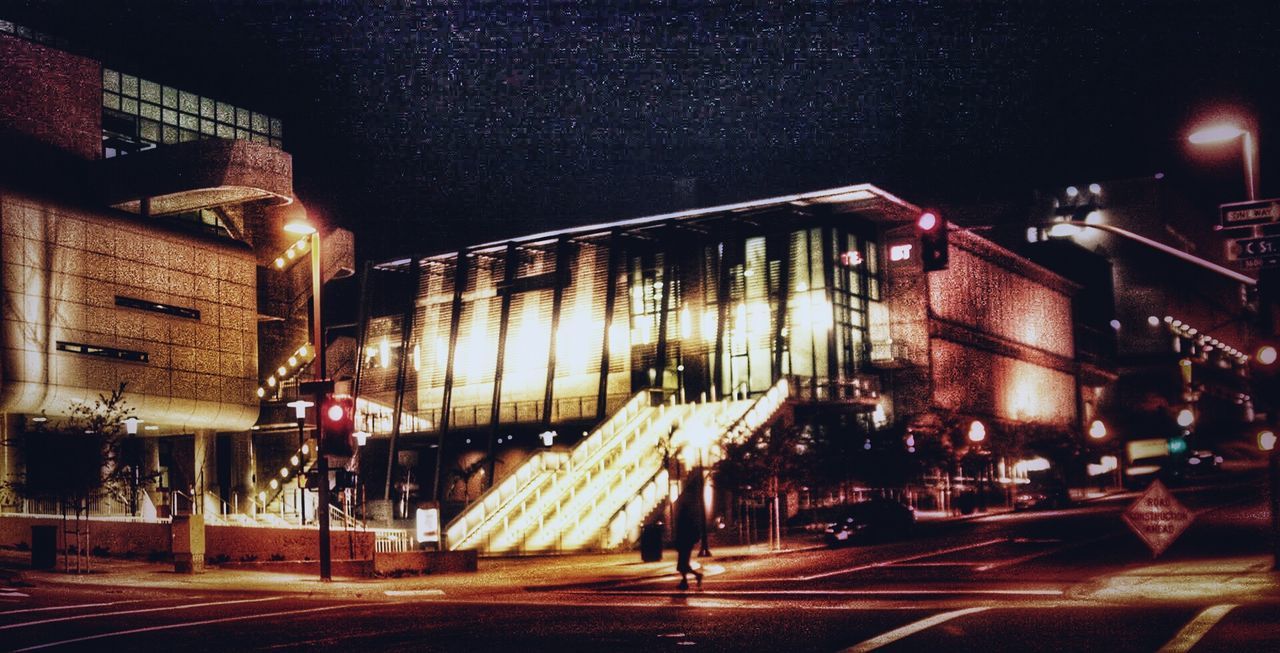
pixel 337 423
pixel 932 230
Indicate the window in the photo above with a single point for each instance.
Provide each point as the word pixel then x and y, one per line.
pixel 104 352
pixel 164 114
pixel 142 304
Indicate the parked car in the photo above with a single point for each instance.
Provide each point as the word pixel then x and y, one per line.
pixel 1203 462
pixel 1041 497
pixel 875 519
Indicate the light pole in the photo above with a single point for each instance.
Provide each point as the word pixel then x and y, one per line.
pixel 703 551
pixel 300 407
pixel 135 454
pixel 301 227
pixel 1220 133
pixel 1223 132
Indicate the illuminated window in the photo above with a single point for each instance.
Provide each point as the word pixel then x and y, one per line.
pixel 142 304
pixel 104 352
pixel 138 114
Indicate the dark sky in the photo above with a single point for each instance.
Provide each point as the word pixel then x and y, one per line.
pixel 425 125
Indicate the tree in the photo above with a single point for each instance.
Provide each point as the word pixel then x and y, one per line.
pixel 80 458
pixel 462 474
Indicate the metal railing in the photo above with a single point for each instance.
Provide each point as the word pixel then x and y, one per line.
pixel 526 480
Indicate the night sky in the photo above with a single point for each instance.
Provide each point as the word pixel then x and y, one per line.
pixel 427 125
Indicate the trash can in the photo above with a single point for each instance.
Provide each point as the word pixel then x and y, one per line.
pixel 44 547
pixel 651 542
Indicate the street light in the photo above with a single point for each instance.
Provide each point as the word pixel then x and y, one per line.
pixel 300 226
pixel 1223 132
pixel 300 407
pixel 131 428
pixel 1097 430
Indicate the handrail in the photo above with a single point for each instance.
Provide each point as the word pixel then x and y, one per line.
pixel 764 407
pixel 595 449
pixel 571 507
pixel 485 509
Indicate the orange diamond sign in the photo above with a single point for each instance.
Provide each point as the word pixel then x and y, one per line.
pixel 1158 518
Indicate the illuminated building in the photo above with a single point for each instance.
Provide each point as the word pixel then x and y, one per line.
pixel 1179 330
pixel 140 224
pixel 822 290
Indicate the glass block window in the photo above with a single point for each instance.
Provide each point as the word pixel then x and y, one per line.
pixel 139 114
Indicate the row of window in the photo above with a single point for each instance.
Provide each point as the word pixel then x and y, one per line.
pixel 143 114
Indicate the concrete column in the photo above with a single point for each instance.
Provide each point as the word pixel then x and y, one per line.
pixel 10 460
pixel 204 473
pixel 243 467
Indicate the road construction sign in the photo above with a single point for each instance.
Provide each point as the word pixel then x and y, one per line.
pixel 1158 518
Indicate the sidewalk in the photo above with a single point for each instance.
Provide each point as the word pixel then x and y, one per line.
pixel 495 576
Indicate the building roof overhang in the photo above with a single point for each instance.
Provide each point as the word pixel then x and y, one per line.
pixel 196 175
pixel 866 200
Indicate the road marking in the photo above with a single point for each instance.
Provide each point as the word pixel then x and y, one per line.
pixel 1196 628
pixel 432 592
pixel 895 561
pixel 947 592
pixel 907 630
pixel 188 624
pixel 939 564
pixel 112 614
pixel 75 607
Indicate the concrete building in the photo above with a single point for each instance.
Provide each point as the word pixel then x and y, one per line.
pixel 551 367
pixel 140 224
pixel 1177 325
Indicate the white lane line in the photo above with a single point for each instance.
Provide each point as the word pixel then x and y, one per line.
pixel 940 592
pixel 1196 629
pixel 431 592
pixel 895 561
pixel 74 606
pixel 910 629
pixel 119 612
pixel 940 564
pixel 188 624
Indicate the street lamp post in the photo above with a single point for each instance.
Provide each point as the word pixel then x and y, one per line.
pixel 321 371
pixel 131 428
pixel 300 414
pixel 1224 132
pixel 1249 150
pixel 703 551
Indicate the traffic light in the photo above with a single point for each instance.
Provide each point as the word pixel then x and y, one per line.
pixel 1177 445
pixel 932 229
pixel 337 423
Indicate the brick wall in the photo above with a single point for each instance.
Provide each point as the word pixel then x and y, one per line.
pixel 239 543
pixel 51 96
pixel 116 537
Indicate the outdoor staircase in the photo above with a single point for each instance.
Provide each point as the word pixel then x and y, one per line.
pixel 596 496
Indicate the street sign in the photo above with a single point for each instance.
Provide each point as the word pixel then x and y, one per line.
pixel 1247 248
pixel 1243 214
pixel 1158 518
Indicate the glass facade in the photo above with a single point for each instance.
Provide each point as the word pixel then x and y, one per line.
pixel 139 114
pixel 565 330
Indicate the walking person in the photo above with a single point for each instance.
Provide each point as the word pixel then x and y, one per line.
pixel 688 527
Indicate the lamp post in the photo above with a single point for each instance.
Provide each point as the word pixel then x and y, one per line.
pixel 131 428
pixel 301 227
pixel 1223 132
pixel 703 551
pixel 300 407
pixel 1220 133
pixel 977 434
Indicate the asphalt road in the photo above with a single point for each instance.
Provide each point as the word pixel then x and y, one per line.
pixel 1072 580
